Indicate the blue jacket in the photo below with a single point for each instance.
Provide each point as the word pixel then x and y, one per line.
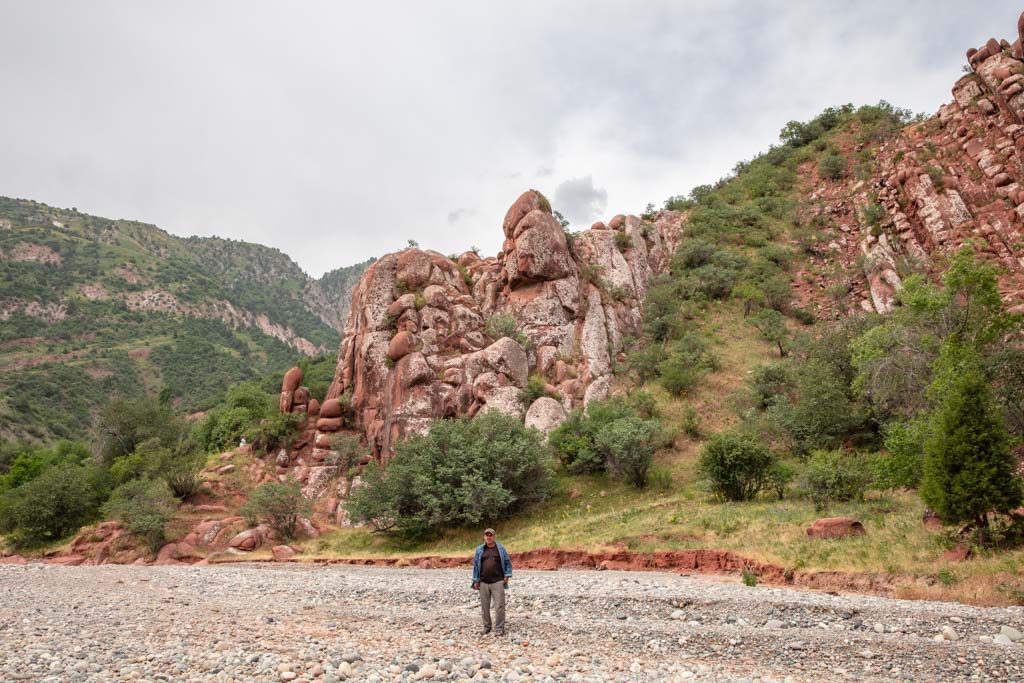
pixel 506 563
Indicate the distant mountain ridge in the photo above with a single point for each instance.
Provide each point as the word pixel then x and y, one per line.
pixel 123 307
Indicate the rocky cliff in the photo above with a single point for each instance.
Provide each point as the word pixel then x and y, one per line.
pixel 951 180
pixel 430 336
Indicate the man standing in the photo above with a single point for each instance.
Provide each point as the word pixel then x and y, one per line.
pixel 491 571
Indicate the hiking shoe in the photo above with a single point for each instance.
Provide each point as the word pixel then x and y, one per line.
pixel 484 631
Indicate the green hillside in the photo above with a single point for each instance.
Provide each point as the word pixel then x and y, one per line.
pixel 91 308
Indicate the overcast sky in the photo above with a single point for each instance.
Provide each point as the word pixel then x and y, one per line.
pixel 337 131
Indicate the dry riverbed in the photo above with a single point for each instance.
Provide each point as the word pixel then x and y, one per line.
pixel 303 623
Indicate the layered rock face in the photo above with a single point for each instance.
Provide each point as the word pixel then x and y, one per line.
pixel 951 180
pixel 430 337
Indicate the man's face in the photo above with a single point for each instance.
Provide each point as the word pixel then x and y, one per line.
pixel 489 539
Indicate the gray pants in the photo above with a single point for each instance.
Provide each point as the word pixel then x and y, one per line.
pixel 493 592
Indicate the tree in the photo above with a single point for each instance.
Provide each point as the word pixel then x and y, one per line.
pixel 279 505
pixel 58 501
pixel 969 469
pixel 124 424
pixel 627 447
pixel 772 326
pixel 144 507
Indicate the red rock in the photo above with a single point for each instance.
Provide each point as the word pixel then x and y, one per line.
pixel 13 559
pixel 531 200
pixel 401 344
pixel 957 554
pixel 301 396
pixel 993 46
pixel 835 527
pixel 292 379
pixel 599 226
pixel 313 407
pixel 282 552
pixel 330 408
pixel 209 507
pixel 329 424
pixel 617 222
pixel 225 469
pixel 323 441
pixel 67 560
pixel 248 540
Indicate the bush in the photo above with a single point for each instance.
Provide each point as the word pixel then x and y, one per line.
pixel 533 390
pixel 498 326
pixel 575 440
pixel 151 460
pixel 143 506
pixel 57 502
pixel 834 477
pixel 770 383
pixel 279 506
pixel 349 449
pixel 462 472
pixel 626 447
pixel 969 469
pixel 832 166
pixel 660 479
pixel 736 465
pixel 903 462
pixel 124 424
pixel 688 360
pixel 779 477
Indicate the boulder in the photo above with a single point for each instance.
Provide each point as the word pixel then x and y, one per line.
pixel 313 407
pixel 531 200
pixel 248 540
pixel 13 559
pixel 331 408
pixel 835 527
pixel 961 553
pixel 401 344
pixel 545 414
pixel 283 553
pixel 506 356
pixel 329 424
pixel 540 250
pixel 292 379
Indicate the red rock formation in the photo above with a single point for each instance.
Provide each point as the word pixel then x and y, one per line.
pixel 417 345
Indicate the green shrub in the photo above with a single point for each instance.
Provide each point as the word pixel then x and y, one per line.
pixel 279 506
pixel 687 361
pixel 125 424
pixel 832 166
pixel 144 507
pixel 623 241
pixel 534 389
pixel 462 472
pixel 749 577
pixel 735 465
pixel 780 476
pixel 349 449
pixel 50 506
pixel 573 443
pixel 770 383
pixel 626 447
pixel 660 479
pixel 903 462
pixel 834 477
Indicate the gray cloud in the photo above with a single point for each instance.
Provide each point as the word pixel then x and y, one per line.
pixel 579 201
pixel 457 215
pixel 289 125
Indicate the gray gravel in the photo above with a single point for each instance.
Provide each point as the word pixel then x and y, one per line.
pixel 301 623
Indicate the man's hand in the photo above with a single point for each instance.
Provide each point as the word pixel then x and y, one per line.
pixel 506 582
pixel 476 585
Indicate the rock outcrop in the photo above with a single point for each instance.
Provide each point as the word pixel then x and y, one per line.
pixel 430 336
pixel 951 180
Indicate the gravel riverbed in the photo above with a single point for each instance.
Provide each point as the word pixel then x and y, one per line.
pixel 307 623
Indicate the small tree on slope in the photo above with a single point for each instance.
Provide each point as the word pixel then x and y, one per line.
pixel 968 466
